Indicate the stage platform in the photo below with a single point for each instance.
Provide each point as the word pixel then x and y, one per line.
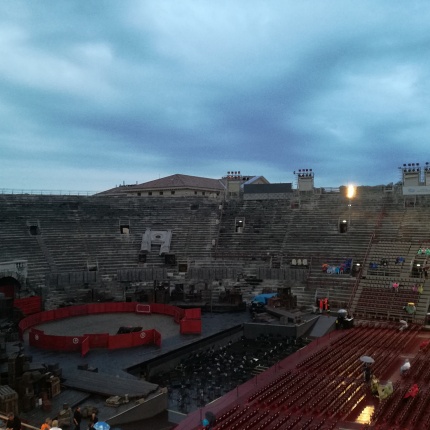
pixel 112 365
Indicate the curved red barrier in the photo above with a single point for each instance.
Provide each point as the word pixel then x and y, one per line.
pixel 189 320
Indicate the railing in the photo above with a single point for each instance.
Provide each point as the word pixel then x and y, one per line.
pixel 360 273
pixel 23 425
pixel 47 192
pixel 366 256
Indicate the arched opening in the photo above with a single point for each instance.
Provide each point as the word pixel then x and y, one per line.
pixel 9 286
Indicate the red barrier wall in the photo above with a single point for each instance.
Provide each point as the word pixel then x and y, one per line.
pixel 157 338
pixel 128 340
pixel 39 339
pixel 189 320
pixel 29 305
pixel 144 309
pixel 120 341
pixel 47 316
pixel 98 340
pixel 193 314
pixel 77 311
pixel 62 313
pixel 191 326
pixel 85 347
pixel 86 342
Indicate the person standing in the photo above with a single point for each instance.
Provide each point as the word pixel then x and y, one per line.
pixel 46 425
pixel 93 420
pixel 13 422
pixel 77 418
pixel 55 425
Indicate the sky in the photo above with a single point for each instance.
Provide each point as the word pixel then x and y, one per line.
pixel 97 93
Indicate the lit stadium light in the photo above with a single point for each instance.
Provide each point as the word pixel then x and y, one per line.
pixel 350 193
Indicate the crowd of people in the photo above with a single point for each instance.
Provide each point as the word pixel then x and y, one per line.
pixel 14 422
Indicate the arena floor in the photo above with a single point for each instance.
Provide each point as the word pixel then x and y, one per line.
pixel 114 363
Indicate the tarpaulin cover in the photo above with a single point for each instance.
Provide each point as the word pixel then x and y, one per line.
pixel 263 298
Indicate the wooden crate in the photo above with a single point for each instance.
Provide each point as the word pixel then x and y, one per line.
pixel 8 400
pixel 54 386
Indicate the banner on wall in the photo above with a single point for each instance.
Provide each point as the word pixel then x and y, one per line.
pixel 416 191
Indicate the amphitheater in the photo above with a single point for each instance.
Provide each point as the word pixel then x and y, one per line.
pixel 70 249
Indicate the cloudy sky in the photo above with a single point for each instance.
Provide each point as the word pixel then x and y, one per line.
pixel 94 93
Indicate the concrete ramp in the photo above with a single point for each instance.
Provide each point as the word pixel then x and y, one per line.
pixel 324 325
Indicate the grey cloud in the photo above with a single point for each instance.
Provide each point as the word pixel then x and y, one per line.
pixel 161 87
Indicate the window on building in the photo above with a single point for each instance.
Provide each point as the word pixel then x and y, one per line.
pixel 172 192
pixel 203 193
pixel 161 193
pixel 149 193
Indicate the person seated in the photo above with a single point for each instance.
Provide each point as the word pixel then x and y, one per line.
pixel 405 367
pixel 385 391
pixel 424 344
pixel 410 308
pixel 412 392
pixel 13 422
pixel 403 325
pixel 374 385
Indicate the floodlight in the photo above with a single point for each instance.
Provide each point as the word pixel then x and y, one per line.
pixel 350 192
